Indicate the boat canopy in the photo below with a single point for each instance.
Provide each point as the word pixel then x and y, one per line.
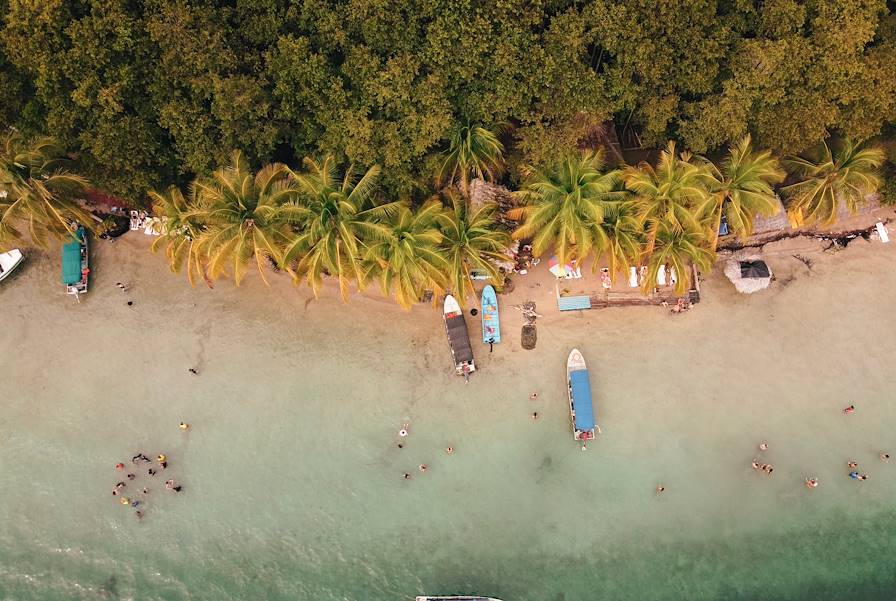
pixel 459 339
pixel 581 400
pixel 71 262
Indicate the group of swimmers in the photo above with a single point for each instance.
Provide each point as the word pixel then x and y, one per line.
pixel 403 433
pixel 812 482
pixel 152 468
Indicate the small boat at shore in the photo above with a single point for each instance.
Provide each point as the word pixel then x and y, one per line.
pixel 9 261
pixel 491 323
pixel 454 598
pixel 76 262
pixel 458 337
pixel 581 409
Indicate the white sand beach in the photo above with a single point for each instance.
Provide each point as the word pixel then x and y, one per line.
pixel 292 474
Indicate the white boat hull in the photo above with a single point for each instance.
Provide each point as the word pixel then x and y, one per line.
pixel 9 261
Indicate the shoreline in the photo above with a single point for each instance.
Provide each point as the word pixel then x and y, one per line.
pixel 291 467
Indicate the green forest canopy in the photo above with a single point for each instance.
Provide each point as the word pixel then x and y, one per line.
pixel 152 92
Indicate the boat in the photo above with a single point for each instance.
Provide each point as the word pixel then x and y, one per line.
pixel 581 409
pixel 9 261
pixel 76 262
pixel 458 337
pixel 491 323
pixel 454 598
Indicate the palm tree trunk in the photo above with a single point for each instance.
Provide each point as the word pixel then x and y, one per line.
pixel 715 235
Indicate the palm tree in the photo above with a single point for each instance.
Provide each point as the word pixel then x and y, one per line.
pixel 844 176
pixel 741 189
pixel 678 248
pixel 243 217
pixel 471 241
pixel 408 259
pixel 624 235
pixel 35 192
pixel 566 206
pixel 337 216
pixel 668 195
pixel 473 152
pixel 181 232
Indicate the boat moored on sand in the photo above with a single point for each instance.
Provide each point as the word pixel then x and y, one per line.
pixel 581 409
pixel 458 338
pixel 76 262
pixel 9 261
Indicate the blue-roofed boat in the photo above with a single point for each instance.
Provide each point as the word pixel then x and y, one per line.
pixel 581 409
pixel 491 323
pixel 76 262
pixel 454 598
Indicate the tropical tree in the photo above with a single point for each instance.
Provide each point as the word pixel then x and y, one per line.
pixel 741 188
pixel 243 216
pixel 407 259
pixel 473 152
pixel 182 230
pixel 622 230
pixel 471 241
pixel 565 206
pixel 336 216
pixel 669 195
pixel 677 248
pixel 829 178
pixel 36 192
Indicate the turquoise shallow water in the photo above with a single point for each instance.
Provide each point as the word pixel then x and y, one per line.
pixel 292 473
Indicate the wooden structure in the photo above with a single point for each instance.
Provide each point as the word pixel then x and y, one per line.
pixel 631 297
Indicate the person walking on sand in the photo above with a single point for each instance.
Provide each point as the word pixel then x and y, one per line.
pixel 491 344
pixel 850 409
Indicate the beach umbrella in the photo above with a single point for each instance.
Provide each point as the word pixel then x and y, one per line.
pixel 555 268
pixel 748 272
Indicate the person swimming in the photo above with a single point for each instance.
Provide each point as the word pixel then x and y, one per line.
pixel 850 409
pixel 852 464
pixel 162 458
pixel 184 426
pixel 811 482
pixel 763 446
pixel 151 472
pixel 756 465
pixel 406 476
pixel 132 476
pixel 449 450
pixel 854 475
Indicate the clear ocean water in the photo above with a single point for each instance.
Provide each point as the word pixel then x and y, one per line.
pixel 293 479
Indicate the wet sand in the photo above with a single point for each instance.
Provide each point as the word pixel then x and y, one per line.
pixel 292 474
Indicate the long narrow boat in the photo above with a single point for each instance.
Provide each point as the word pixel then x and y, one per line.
pixel 76 262
pixel 9 261
pixel 458 337
pixel 581 409
pixel 454 598
pixel 491 323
